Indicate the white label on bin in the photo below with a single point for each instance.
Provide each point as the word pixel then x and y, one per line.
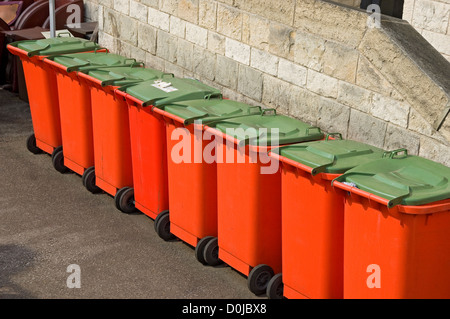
pixel 164 86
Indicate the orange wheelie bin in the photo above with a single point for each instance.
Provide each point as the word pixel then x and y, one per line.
pixel 150 193
pixel 192 162
pixel 77 153
pixel 313 216
pixel 249 191
pixel 397 222
pixel 42 87
pixel 111 131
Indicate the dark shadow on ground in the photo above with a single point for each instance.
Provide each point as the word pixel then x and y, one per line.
pixel 14 259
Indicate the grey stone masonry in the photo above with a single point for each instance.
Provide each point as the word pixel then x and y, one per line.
pixel 318 61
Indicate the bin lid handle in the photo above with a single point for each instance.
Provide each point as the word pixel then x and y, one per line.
pixel 264 111
pixel 65 32
pixel 339 135
pixel 164 74
pixel 313 128
pixel 393 154
pixel 213 95
pixel 136 63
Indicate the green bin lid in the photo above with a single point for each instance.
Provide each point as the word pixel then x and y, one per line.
pixel 402 179
pixel 122 75
pixel 90 60
pixel 209 109
pixel 334 156
pixel 169 90
pixel 57 45
pixel 257 129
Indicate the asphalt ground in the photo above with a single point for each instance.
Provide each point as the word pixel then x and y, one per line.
pixel 49 221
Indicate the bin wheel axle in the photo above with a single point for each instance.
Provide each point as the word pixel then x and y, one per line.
pixel 124 200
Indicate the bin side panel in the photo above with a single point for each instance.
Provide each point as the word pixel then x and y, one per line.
pixel 43 98
pixel 410 251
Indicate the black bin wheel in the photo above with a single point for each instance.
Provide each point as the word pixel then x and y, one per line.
pixel 259 278
pixel 200 249
pixel 88 180
pixel 31 145
pixel 162 226
pixel 275 287
pixel 124 200
pixel 58 160
pixel 211 252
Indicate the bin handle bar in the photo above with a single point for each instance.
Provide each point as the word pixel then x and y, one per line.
pixel 286 160
pixel 313 128
pixel 35 52
pixel 428 209
pixel 264 111
pixel 167 114
pixel 392 154
pixel 121 91
pixel 136 63
pixel 213 95
pixel 334 135
pixel 65 32
pixel 101 48
pixel 362 193
pixel 164 74
pixel 436 207
pixel 222 135
pixel 111 81
pixel 130 97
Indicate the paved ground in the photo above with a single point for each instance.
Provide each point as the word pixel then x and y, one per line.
pixel 49 221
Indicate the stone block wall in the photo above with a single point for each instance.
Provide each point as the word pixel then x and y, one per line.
pixel 313 60
pixel 432 19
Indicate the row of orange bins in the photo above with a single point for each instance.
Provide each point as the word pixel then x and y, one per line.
pixel 300 213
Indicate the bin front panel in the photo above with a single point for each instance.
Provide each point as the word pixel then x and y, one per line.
pixel 149 158
pixel 406 254
pixel 249 210
pixel 192 183
pixel 312 235
pixel 76 122
pixel 112 147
